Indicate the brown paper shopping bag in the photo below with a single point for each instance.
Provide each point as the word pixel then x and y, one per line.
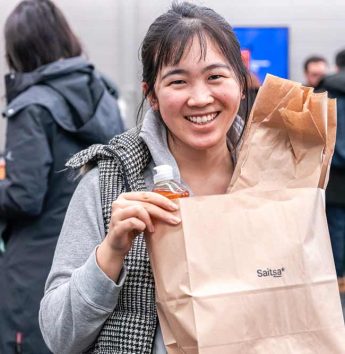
pixel 248 273
pixel 252 271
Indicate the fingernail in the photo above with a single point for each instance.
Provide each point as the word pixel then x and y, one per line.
pixel 151 229
pixel 173 206
pixel 175 220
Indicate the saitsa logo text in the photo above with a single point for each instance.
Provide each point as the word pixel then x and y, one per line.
pixel 270 272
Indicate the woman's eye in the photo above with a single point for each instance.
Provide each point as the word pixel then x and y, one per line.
pixel 215 77
pixel 177 82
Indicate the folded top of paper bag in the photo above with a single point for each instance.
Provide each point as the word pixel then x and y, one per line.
pixel 289 139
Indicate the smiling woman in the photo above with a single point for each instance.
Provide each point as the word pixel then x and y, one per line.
pixel 198 99
pixel 194 79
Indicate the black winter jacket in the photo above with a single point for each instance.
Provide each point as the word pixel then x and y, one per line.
pixel 335 192
pixel 52 113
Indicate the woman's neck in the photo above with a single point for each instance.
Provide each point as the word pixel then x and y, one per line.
pixel 205 171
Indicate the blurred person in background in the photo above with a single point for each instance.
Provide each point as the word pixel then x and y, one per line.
pixel 315 68
pixel 57 105
pixel 335 192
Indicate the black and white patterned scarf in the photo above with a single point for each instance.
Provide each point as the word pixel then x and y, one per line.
pixel 131 327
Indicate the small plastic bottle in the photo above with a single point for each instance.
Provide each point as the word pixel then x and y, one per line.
pixel 165 184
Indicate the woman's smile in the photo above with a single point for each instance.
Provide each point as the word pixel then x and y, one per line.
pixel 203 118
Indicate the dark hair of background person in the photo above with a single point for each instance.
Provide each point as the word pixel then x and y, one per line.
pixel 313 59
pixel 172 32
pixel 37 33
pixel 340 59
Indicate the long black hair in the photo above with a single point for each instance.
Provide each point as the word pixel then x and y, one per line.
pixel 37 33
pixel 170 34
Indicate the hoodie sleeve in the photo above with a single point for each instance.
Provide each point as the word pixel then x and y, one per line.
pixel 79 296
pixel 28 163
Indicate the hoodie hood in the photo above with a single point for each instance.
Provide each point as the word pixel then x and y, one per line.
pixel 73 92
pixel 335 83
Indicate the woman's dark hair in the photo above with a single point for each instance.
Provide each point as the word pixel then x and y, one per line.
pixel 172 32
pixel 37 33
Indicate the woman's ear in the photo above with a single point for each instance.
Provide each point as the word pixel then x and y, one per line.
pixel 151 97
pixel 154 103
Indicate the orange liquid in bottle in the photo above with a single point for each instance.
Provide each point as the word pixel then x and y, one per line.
pixel 172 194
pixel 166 185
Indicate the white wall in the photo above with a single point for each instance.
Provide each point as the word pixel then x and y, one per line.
pixel 112 30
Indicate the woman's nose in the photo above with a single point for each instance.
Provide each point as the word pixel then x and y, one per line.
pixel 200 96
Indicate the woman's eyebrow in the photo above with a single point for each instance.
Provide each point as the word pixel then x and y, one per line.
pixel 207 68
pixel 174 72
pixel 216 66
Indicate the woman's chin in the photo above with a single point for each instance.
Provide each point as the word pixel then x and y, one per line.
pixel 206 144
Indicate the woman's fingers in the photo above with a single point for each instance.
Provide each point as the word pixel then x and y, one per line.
pixel 132 225
pixel 131 212
pixel 156 207
pixel 122 235
pixel 150 197
pixel 161 214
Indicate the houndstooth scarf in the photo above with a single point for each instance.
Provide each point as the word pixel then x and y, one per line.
pixel 131 327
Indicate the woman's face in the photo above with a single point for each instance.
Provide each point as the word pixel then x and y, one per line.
pixel 198 98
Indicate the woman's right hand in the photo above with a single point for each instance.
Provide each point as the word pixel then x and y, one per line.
pixel 131 214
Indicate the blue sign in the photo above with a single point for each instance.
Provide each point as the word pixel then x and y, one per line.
pixel 267 48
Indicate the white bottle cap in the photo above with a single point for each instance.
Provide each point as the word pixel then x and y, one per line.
pixel 163 173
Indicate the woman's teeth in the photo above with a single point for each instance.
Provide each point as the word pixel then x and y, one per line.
pixel 202 119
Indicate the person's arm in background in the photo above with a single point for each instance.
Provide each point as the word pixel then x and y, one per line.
pixel 28 163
